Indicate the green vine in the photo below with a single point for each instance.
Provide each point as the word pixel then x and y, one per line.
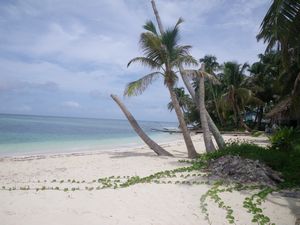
pixel 252 205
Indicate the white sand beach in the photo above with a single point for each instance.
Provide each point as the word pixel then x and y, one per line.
pixel 146 204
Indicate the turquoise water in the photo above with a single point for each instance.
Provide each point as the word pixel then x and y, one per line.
pixel 21 134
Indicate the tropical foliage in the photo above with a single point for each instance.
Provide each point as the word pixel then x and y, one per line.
pixel 163 54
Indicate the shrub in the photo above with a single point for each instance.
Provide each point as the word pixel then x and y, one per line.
pixel 283 138
pixel 286 162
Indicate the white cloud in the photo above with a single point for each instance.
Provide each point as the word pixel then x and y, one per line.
pixel 71 104
pixel 67 49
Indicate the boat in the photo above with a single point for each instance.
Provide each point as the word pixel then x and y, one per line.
pixel 168 129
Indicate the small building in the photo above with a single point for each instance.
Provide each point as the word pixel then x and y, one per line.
pixel 283 115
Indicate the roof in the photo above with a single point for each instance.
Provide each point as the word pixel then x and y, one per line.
pixel 281 109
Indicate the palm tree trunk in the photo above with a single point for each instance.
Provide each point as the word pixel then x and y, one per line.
pixel 234 108
pixel 255 120
pixel 160 26
pixel 204 124
pixel 260 116
pixel 155 147
pixel 241 122
pixel 215 103
pixel 212 126
pixel 186 135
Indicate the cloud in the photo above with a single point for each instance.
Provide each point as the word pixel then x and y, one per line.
pixel 23 86
pixel 52 51
pixel 71 104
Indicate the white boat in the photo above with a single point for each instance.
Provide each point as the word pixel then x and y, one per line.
pixel 168 129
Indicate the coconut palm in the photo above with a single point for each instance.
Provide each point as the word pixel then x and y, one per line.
pixel 153 145
pixel 280 30
pixel 237 96
pixel 184 100
pixel 162 55
pixel 213 91
pixel 213 127
pixel 200 76
pixel 280 27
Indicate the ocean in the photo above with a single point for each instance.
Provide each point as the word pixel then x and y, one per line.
pixel 27 134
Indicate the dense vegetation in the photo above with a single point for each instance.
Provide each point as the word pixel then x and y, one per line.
pixel 283 155
pixel 270 85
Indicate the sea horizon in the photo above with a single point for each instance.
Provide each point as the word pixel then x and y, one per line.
pixel 81 117
pixel 38 134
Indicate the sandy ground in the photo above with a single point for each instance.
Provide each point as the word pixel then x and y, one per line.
pixel 141 204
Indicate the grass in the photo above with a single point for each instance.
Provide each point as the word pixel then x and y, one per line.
pixel 286 161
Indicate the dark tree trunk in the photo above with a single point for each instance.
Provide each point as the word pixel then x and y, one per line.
pixel 260 116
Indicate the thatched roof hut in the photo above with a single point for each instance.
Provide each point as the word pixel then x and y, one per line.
pixel 281 111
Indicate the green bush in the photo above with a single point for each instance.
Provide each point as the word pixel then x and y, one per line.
pixel 283 138
pixel 286 162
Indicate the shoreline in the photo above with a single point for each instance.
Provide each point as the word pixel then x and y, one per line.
pixel 143 203
pixel 88 151
pixel 93 149
pixel 196 137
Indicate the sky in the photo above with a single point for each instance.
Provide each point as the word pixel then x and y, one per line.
pixel 65 57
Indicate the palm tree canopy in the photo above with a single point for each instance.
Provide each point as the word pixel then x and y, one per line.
pixel 280 26
pixel 234 74
pixel 161 53
pixel 184 100
pixel 210 62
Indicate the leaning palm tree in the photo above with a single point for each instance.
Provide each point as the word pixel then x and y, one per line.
pixel 214 129
pixel 201 75
pixel 162 54
pixel 155 147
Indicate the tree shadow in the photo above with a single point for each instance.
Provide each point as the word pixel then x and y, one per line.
pixel 125 154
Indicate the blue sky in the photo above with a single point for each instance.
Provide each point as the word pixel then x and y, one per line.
pixel 65 57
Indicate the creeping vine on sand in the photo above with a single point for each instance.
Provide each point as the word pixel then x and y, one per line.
pixel 251 203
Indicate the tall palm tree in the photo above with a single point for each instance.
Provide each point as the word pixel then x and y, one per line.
pixel 204 123
pixel 200 76
pixel 155 147
pixel 162 54
pixel 212 126
pixel 211 65
pixel 214 129
pixel 237 96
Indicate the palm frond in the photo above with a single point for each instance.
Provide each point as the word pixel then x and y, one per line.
pixel 139 86
pixel 145 62
pixel 212 78
pixel 184 60
pixel 170 37
pixel 170 106
pixel 254 101
pixel 152 47
pixel 179 21
pixel 281 24
pixel 149 26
